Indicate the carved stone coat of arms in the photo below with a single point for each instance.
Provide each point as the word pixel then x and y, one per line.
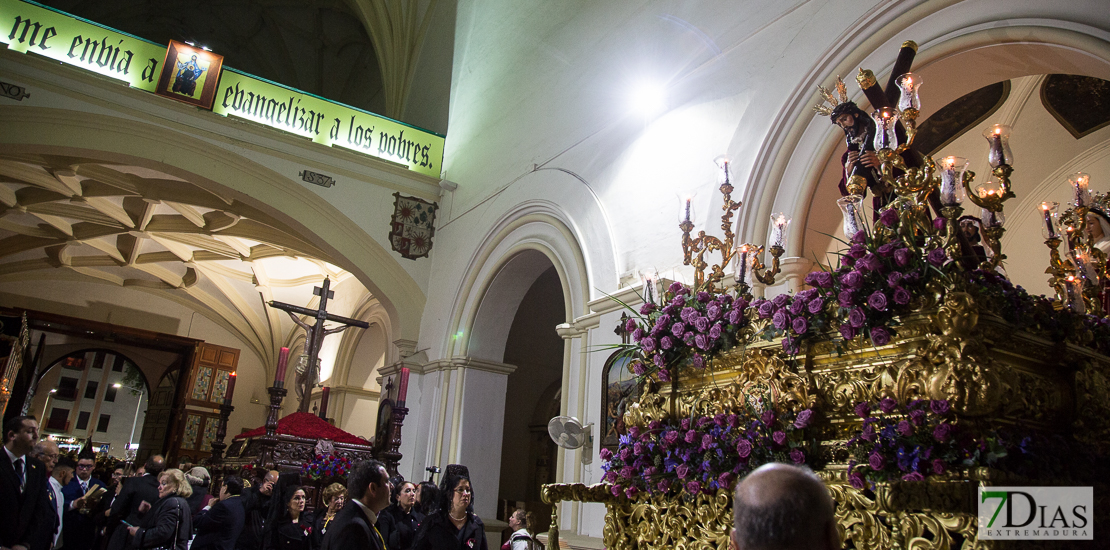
pixel 412 226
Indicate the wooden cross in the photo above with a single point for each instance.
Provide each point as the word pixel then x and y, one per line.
pixel 316 333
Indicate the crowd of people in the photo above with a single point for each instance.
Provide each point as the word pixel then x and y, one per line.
pixel 49 502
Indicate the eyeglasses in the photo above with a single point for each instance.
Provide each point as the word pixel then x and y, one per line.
pixel 463 491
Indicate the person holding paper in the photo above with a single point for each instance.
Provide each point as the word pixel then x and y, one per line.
pixel 81 495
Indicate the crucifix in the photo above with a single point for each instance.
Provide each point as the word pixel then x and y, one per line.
pixel 316 333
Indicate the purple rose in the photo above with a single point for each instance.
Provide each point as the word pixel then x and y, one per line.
pixel 666 342
pixel 901 296
pixel 664 376
pixel 678 329
pixel 702 341
pixel 605 454
pixel 638 368
pixel 880 336
pixel 894 279
pixel 654 425
pixel 943 432
pixel 767 417
pixel 938 466
pixel 678 301
pixel 715 331
pixel 803 419
pixel 734 317
pixel 886 250
pixel 857 251
pixel 781 319
pixel 659 360
pixel 616 490
pixel 647 308
pixel 887 405
pixel 704 297
pixel 779 438
pixel 626 472
pixel 889 217
pixel 693 488
pixel 688 338
pixel 664 485
pixel 856 480
pixel 698 360
pixel 863 410
pixel 938 223
pixel 939 406
pixel 610 477
pixel 791 345
pixel 625 453
pixel 798 306
pixel 857 318
pixel 638 448
pixel 917 417
pixel 766 309
pixel 913 476
pixel 905 428
pixel 811 278
pixel 691 436
pixel 688 314
pixel 877 300
pixel 682 471
pixel 852 279
pixel 860 237
pixel 902 256
pixel 847 332
pixel 780 300
pixel 868 433
pixel 713 312
pixel 637 334
pixel 937 257
pixel 671 437
pixel 800 325
pixel 869 262
pixel 634 431
pixel 824 279
pixel 816 305
pixel 685 424
pixel 846 298
pixel 797 456
pixel 743 448
pixel 706 441
pixel 876 461
pixel 725 480
pixel 702 324
pixel 675 287
pixel 630 325
pixel 648 344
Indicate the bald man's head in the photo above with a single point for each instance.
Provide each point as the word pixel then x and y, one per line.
pixel 783 507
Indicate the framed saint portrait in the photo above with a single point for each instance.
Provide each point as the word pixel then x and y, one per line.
pixel 619 390
pixel 190 75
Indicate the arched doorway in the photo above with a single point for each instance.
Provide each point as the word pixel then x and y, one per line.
pixel 532 397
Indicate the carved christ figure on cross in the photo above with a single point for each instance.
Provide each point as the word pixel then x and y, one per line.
pixel 315 333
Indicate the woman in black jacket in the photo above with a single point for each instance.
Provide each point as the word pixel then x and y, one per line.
pixel 168 523
pixel 398 523
pixel 289 528
pixel 454 526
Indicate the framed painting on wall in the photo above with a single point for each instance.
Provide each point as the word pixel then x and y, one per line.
pixel 619 390
pixel 190 75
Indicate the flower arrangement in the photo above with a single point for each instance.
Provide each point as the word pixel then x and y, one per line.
pixel 706 453
pixel 326 466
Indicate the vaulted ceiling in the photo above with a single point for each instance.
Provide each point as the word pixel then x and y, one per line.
pixel 67 218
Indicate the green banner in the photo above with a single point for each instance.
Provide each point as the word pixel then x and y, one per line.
pixel 27 27
pixel 329 123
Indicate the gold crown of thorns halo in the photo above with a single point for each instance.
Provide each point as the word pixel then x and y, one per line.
pixel 827 97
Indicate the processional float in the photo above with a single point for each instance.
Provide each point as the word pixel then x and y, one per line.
pixel 907 376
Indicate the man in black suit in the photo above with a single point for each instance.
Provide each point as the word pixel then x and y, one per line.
pixel 135 491
pixel 256 504
pixel 218 526
pixel 23 500
pixel 353 527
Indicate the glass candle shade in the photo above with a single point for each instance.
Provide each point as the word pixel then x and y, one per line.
pixel 745 258
pixel 1074 295
pixel 998 136
pixel 686 211
pixel 650 280
pixel 1083 267
pixel 990 189
pixel 1079 182
pixel 990 218
pixel 723 165
pixel 909 84
pixel 951 180
pixel 1049 228
pixel 851 207
pixel 779 223
pixel 885 136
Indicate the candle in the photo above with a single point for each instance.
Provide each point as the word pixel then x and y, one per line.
pixel 779 223
pixel 1075 299
pixel 1049 211
pixel 1079 181
pixel 404 389
pixel 687 209
pixel 324 403
pixel 951 173
pixel 998 136
pixel 283 360
pixel 230 388
pixel 743 272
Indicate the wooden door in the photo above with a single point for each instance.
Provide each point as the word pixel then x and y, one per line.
pixel 207 385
